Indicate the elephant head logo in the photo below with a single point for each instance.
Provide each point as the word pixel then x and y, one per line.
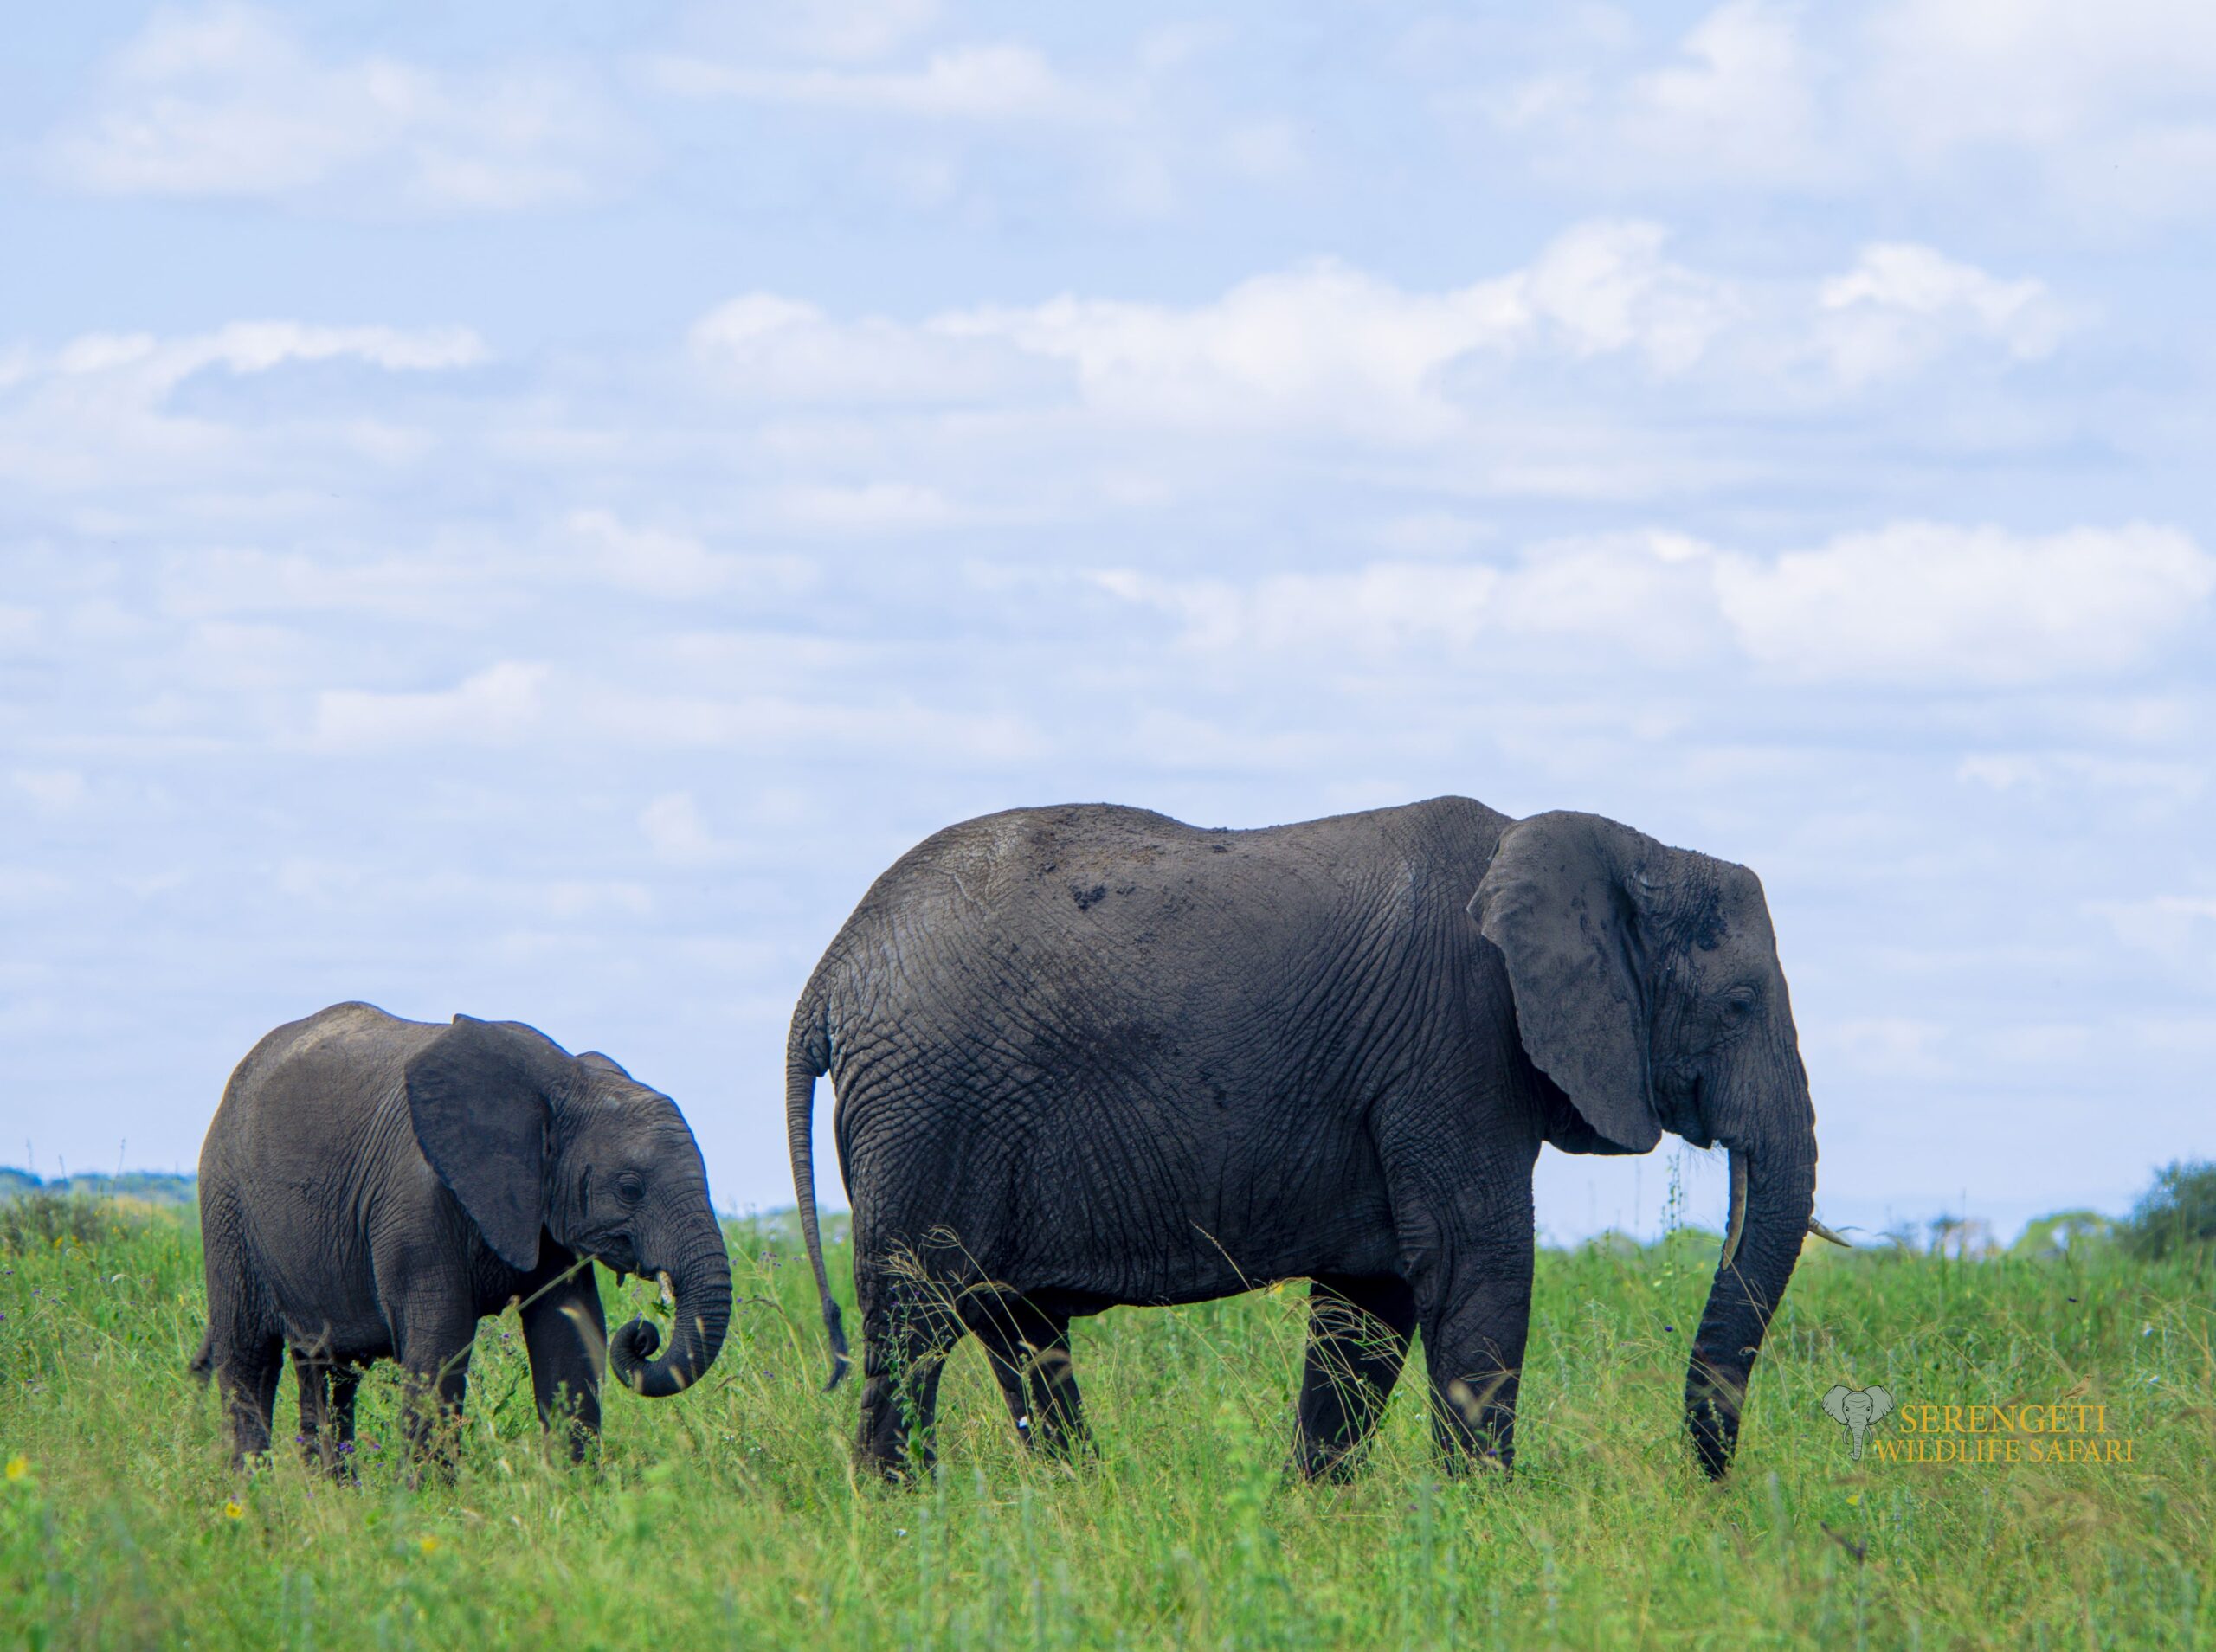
pixel 1859 1410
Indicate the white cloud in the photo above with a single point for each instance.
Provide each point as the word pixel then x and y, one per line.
pixel 56 791
pixel 850 28
pixel 779 723
pixel 247 347
pixel 1902 306
pixel 2040 74
pixel 984 84
pixel 1329 343
pixel 2115 106
pixel 1929 602
pixel 1328 347
pixel 663 562
pixel 91 415
pixel 2111 110
pixel 762 346
pixel 1735 101
pixel 2166 925
pixel 672 826
pixel 226 102
pixel 495 706
pixel 1914 603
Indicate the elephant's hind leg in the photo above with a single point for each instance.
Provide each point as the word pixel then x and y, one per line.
pixel 1029 1349
pixel 247 1374
pixel 1358 1333
pixel 909 1326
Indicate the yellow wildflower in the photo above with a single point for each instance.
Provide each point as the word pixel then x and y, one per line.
pixel 234 1510
pixel 19 1466
pixel 429 1545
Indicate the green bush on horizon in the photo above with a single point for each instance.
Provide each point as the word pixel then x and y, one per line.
pixel 2177 1214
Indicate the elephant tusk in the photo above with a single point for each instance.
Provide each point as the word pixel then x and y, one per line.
pixel 1826 1234
pixel 668 1295
pixel 1738 1209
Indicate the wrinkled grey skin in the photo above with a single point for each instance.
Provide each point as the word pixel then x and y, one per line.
pixel 372 1187
pixel 1088 1056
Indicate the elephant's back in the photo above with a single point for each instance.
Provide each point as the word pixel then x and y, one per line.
pixel 1097 878
pixel 308 1086
pixel 1051 1026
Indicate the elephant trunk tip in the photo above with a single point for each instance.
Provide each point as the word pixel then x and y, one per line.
pixel 631 1351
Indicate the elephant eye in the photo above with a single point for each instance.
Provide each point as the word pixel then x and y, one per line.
pixel 630 1186
pixel 1738 1003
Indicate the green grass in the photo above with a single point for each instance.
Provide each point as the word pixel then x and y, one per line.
pixel 730 1516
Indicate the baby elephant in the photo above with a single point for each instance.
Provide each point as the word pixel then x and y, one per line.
pixel 372 1187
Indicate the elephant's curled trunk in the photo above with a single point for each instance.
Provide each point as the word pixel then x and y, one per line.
pixel 1772 1192
pixel 701 1288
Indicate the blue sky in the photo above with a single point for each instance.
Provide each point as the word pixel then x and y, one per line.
pixel 527 510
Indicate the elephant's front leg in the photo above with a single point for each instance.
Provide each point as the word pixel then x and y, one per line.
pixel 311 1374
pixel 435 1348
pixel 1471 1272
pixel 566 1335
pixel 1358 1334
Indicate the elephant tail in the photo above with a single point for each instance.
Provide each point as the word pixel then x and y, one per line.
pixel 807 1054
pixel 203 1363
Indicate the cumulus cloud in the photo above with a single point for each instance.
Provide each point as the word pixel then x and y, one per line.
pixel 1733 100
pixel 1928 601
pixel 2108 108
pixel 2046 75
pixel 672 826
pixel 1914 603
pixel 99 410
pixel 985 84
pixel 1330 347
pixel 664 563
pixel 158 365
pixel 494 706
pixel 2166 925
pixel 227 100
pixel 761 345
pixel 1902 306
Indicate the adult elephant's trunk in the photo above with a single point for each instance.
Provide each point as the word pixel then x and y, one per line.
pixel 701 1285
pixel 1772 1192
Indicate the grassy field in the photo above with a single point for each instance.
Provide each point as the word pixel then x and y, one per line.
pixel 730 1517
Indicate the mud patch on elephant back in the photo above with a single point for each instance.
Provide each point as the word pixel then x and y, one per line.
pixel 1086 899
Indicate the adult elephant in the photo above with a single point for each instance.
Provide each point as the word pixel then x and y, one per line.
pixel 1089 1056
pixel 371 1187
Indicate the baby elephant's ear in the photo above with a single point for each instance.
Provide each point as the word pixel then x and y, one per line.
pixel 478 1096
pixel 1880 1403
pixel 1835 1402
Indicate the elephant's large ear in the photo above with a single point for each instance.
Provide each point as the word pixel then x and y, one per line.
pixel 479 1095
pixel 1556 901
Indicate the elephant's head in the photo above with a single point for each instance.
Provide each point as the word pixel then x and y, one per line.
pixel 530 1138
pixel 1648 988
